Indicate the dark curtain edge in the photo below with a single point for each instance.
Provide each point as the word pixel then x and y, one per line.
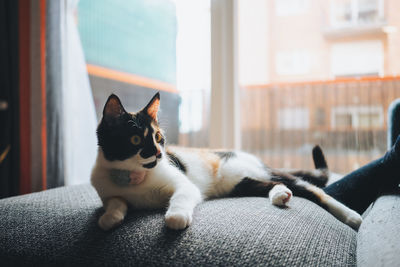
pixel 55 156
pixel 9 66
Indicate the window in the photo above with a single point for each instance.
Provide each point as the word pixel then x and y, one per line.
pixel 193 70
pixel 343 120
pixel 292 91
pixel 293 62
pixel 357 58
pixel 293 118
pixel 345 13
pixel 358 117
pixel 370 119
pixel 291 7
pixel 320 117
pixel 304 86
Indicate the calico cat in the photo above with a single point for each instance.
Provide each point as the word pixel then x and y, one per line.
pixel 135 167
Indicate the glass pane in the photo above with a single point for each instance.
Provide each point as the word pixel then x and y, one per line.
pixel 136 48
pixel 347 13
pixel 303 85
pixel 370 120
pixel 194 70
pixel 368 11
pixel 343 120
pixel 342 12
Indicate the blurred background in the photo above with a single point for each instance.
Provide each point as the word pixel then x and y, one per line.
pixel 272 77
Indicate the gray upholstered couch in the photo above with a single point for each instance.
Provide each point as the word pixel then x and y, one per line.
pixel 59 227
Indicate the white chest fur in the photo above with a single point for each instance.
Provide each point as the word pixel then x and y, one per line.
pixel 161 181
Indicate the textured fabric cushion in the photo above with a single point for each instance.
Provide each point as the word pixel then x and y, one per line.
pixel 59 226
pixel 378 241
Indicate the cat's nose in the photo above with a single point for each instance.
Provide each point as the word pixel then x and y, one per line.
pixel 158 153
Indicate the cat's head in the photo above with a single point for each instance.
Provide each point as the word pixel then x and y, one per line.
pixel 133 139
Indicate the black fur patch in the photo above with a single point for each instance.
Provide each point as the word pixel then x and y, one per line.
pixel 226 155
pixel 150 165
pixel 249 187
pixel 312 177
pixel 114 134
pixel 176 162
pixel 114 137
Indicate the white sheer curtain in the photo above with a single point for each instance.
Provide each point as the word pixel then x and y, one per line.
pixel 78 107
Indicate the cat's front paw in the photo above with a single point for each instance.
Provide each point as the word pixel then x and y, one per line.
pixel 280 195
pixel 178 220
pixel 110 220
pixel 353 219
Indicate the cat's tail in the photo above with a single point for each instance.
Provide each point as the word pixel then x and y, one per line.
pixel 318 177
pixel 322 176
pixel 319 158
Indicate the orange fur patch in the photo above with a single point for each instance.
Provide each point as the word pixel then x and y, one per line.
pixel 318 192
pixel 212 160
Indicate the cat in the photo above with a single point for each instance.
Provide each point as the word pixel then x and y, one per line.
pixel 135 168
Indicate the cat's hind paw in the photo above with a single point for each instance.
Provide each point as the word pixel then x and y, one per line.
pixel 178 220
pixel 110 220
pixel 280 195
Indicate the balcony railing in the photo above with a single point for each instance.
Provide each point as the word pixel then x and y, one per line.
pixel 281 123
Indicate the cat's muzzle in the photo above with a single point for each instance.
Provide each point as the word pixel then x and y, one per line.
pixel 153 163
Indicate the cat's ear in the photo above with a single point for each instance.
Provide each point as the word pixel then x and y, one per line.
pixel 152 107
pixel 113 109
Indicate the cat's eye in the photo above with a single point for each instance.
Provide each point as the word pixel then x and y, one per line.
pixel 158 137
pixel 136 140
